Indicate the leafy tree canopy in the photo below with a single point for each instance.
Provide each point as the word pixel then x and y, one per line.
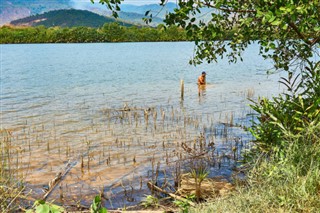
pixel 288 31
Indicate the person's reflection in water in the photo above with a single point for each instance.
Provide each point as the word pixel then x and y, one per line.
pixel 202 90
pixel 201 93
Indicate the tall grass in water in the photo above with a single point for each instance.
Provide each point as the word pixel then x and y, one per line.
pixel 10 190
pixel 109 146
pixel 273 185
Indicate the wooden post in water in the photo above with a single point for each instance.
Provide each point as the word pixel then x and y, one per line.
pixel 182 88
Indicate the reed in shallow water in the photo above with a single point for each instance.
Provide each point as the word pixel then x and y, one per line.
pixel 114 143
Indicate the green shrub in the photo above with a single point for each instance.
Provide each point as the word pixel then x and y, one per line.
pixel 289 113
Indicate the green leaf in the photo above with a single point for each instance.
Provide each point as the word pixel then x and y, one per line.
pixel 316 28
pixel 56 208
pixel 283 8
pixel 264 20
pixel 272 46
pixel 103 210
pixel 285 27
pixel 259 14
pixel 43 209
pixel 276 22
pixel 39 202
pixel 97 199
pixel 147 13
pixel 272 18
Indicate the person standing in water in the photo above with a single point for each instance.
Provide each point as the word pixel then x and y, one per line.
pixel 201 82
pixel 202 79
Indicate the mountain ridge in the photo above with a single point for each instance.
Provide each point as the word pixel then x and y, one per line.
pixel 67 18
pixel 16 9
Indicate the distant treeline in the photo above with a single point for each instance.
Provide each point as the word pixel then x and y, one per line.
pixel 110 32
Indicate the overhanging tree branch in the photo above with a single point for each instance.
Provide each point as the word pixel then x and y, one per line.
pixel 301 36
pixel 228 9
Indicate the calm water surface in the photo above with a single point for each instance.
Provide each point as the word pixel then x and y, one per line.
pixel 62 101
pixel 55 78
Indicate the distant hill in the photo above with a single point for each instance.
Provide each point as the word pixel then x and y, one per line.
pixel 130 13
pixel 128 8
pixel 15 9
pixel 11 10
pixel 67 18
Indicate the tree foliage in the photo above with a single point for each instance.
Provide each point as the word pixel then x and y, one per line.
pixel 282 28
pixel 287 31
pixel 109 32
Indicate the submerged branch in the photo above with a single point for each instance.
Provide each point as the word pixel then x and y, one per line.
pixel 154 187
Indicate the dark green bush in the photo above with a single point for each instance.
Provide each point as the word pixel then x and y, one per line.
pixel 289 113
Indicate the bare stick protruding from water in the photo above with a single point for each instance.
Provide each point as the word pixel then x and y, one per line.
pixel 182 89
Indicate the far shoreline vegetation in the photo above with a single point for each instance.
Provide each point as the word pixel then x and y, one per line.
pixel 109 32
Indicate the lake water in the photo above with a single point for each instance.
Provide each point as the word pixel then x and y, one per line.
pixel 69 103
